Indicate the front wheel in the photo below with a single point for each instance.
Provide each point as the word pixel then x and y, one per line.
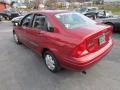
pixel 16 39
pixel 51 62
pixel 2 18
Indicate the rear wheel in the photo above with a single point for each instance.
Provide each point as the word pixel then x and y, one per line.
pixel 51 62
pixel 7 18
pixel 94 17
pixel 16 39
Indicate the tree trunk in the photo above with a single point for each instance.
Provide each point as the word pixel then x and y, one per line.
pixel 37 3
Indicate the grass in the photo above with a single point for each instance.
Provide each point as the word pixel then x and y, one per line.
pixel 115 9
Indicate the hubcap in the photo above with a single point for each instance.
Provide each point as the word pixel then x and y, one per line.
pixel 50 62
pixel 16 38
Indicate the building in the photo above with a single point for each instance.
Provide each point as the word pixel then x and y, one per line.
pixel 98 2
pixel 2 6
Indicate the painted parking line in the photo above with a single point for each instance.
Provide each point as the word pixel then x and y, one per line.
pixel 5 31
pixel 5 21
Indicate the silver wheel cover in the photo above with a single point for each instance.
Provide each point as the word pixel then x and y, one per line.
pixel 15 38
pixel 50 62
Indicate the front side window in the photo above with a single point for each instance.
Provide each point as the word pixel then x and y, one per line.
pixel 73 20
pixel 27 21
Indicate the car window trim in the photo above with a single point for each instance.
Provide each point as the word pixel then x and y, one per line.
pixel 21 23
pixel 46 18
pixel 35 18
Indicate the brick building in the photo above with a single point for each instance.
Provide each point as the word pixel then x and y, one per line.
pixel 2 6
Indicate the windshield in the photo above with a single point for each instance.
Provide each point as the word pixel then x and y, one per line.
pixel 92 9
pixel 74 20
pixel 82 10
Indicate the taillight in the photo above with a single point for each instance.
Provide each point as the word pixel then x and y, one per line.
pixel 109 33
pixel 80 50
pixel 92 46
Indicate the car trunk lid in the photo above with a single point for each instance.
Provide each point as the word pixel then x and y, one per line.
pixel 96 36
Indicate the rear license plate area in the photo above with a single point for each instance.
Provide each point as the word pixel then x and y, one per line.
pixel 102 39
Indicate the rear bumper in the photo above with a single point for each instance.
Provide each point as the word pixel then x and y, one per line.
pixel 86 61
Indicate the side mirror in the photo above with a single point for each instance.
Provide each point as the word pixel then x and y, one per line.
pixel 16 24
pixel 51 29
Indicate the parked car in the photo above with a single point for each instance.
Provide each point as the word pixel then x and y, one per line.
pixel 16 20
pixel 113 21
pixel 104 14
pixel 9 14
pixel 89 11
pixel 65 39
pixel 4 16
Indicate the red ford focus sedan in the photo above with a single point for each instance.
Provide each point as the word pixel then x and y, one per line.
pixel 64 39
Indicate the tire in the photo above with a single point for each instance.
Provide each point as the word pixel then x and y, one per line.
pixel 7 18
pixel 51 62
pixel 16 39
pixel 94 17
pixel 2 18
pixel 111 24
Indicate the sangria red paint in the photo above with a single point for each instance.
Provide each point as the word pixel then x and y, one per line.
pixel 76 41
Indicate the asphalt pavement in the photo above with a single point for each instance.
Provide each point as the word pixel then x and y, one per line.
pixel 22 69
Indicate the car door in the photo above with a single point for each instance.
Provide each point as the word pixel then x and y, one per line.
pixel 37 33
pixel 25 26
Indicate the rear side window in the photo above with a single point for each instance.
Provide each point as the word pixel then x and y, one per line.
pixel 41 22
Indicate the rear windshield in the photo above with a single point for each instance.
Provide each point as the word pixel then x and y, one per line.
pixel 74 20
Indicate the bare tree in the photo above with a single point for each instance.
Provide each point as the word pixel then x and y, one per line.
pixel 37 3
pixel 51 4
pixel 98 1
